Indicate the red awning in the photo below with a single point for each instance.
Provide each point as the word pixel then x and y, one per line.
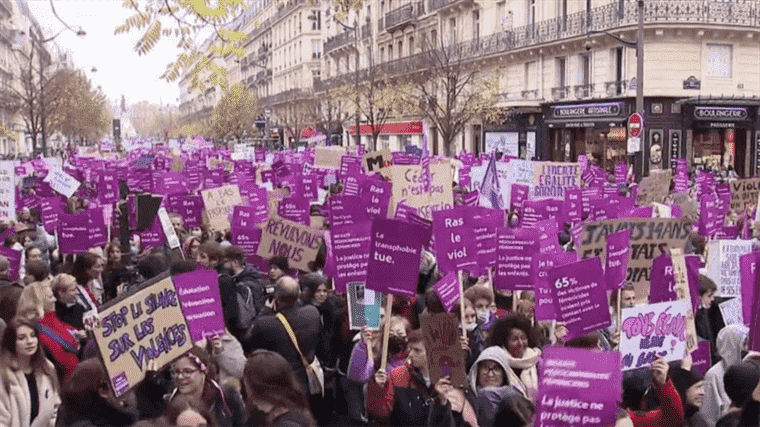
pixel 392 128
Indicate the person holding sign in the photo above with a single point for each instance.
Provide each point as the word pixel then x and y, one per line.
pixel 514 333
pixel 670 413
pixel 29 390
pixel 193 376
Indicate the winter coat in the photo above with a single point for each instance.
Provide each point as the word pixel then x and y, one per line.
pixel 15 400
pixel 231 360
pixel 64 357
pixel 404 400
pixel 258 284
pixel 671 412
pixel 730 342
pixel 101 414
pixel 488 401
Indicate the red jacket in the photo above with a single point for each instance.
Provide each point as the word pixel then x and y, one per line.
pixel 402 386
pixel 62 359
pixel 670 413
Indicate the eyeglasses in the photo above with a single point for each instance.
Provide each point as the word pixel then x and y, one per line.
pixel 176 373
pixel 489 369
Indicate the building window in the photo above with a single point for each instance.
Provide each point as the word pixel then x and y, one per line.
pixel 385 141
pixel 411 45
pixel 502 15
pixel 400 48
pixel 559 72
pixel 316 49
pixel 433 38
pixel 475 24
pixel 453 29
pixel 531 76
pixel 584 71
pixel 719 60
pixel 531 12
pixel 382 54
pixel 316 24
pixel 390 52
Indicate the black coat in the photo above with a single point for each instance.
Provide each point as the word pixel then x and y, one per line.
pixel 99 415
pixel 268 333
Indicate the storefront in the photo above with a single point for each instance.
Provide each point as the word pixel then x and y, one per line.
pixel 722 136
pixel 393 136
pixel 597 130
pixel 516 135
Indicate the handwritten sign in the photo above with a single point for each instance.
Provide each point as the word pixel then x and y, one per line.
pixel 62 182
pixel 408 188
pixel 744 192
pixel 444 351
pixel 376 160
pixel 220 203
pixel 7 191
pixel 552 179
pixel 148 325
pixel 328 157
pixel 723 265
pixel 652 331
pixel 654 188
pixel 299 243
pixel 169 232
pixel 731 310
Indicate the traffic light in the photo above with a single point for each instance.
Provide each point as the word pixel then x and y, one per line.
pixel 117 129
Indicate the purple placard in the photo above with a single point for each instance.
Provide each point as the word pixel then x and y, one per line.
pixel 620 173
pixel 190 208
pixel 247 239
pixel 700 358
pixel 98 232
pixel 573 207
pixel 748 266
pixel 394 257
pixel 548 242
pixel 309 187
pixel 198 294
pixel 267 175
pixel 170 183
pixel 447 290
pixel 73 233
pixel 578 387
pixel 247 217
pixel 257 198
pixel 471 198
pixel 349 246
pixel 580 296
pixel 517 196
pixel 108 188
pixel 351 186
pixel 154 237
pixel 514 269
pixel 346 210
pixel 754 327
pixel 50 208
pixel 14 259
pixel 618 255
pixel 488 221
pixel 662 286
pixel 464 177
pixel 295 209
pixel 403 211
pixel 455 244
pixel 375 197
pixel 280 169
pixel 544 308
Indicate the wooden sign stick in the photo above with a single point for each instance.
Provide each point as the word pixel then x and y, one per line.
pixel 461 303
pixel 386 331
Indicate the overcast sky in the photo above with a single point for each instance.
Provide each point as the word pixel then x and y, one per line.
pixel 120 70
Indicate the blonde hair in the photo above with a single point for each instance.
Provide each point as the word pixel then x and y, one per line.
pixel 31 303
pixel 59 281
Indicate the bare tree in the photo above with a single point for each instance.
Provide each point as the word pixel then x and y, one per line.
pixel 296 113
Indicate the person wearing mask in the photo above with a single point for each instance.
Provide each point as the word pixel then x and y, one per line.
pixel 732 341
pixel 29 390
pixel 670 413
pixel 194 377
pixel 87 399
pixel 493 396
pixel 514 333
pixel 482 298
pixel 274 396
pixel 738 381
pixel 476 338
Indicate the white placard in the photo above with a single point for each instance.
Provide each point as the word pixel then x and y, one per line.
pixel 7 191
pixel 731 310
pixel 62 182
pixel 723 265
pixel 166 224
pixel 650 331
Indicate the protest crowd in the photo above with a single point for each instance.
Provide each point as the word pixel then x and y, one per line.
pixel 192 285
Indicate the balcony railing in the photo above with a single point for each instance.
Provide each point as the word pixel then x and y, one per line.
pixel 584 91
pixel 339 40
pixel 561 92
pixel 433 5
pixel 616 88
pixel 741 13
pixel 402 16
pixel 530 94
pixel 263 75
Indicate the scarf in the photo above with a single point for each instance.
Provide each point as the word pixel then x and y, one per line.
pixel 527 382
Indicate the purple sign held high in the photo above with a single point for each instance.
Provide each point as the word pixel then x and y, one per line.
pixel 447 290
pixel 749 269
pixel 198 294
pixel 578 387
pixel 190 208
pixel 346 210
pixel 618 255
pixel 375 197
pixel 295 209
pixel 394 257
pixel 73 233
pixel 247 239
pixel 50 208
pixel 514 269
pixel 544 308
pixel 580 296
pixel 455 243
pixel 349 246
pixel 14 259
pixel 518 195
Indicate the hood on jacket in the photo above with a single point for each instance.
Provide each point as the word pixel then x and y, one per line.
pixel 494 353
pixel 730 343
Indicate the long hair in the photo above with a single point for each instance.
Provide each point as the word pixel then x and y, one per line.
pixel 31 303
pixel 201 360
pixel 84 262
pixel 9 356
pixel 268 377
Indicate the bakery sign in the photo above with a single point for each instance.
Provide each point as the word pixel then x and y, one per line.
pixel 720 113
pixel 609 109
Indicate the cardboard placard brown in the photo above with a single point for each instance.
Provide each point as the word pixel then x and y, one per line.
pixel 654 188
pixel 376 160
pixel 219 204
pixel 683 293
pixel 328 157
pixel 408 188
pixel 281 237
pixel 443 347
pixel 744 193
pixel 649 239
pixel 148 325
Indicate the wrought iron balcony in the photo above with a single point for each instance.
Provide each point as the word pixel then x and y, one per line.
pixel 288 95
pixel 530 94
pixel 584 91
pixel 380 24
pixel 433 5
pixel 263 75
pixel 339 40
pixel 366 31
pixel 561 92
pixel 402 16
pixel 616 88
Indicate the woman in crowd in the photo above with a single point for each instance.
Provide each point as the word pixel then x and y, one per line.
pixel 732 341
pixel 115 271
pixel 67 307
pixel 190 247
pixel 193 376
pixel 37 303
pixel 29 390
pixel 739 382
pixel 186 411
pixel 278 267
pixel 670 413
pixel 274 396
pixel 690 387
pixel 88 400
pixel 87 269
pixel 514 333
pixel 476 338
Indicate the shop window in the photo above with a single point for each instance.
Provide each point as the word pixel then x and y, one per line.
pixel 404 141
pixel 719 60
pixel 385 141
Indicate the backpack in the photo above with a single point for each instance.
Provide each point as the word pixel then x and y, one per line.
pixel 246 308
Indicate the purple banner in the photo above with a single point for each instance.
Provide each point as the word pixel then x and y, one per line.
pixel 190 208
pixel 580 296
pixel 662 286
pixel 544 308
pixel 295 209
pixel 50 208
pixel 349 246
pixel 198 294
pixel 346 210
pixel 394 257
pixel 748 266
pixel 447 290
pixel 14 258
pixel 517 196
pixel 375 197
pixel 247 239
pixel 514 269
pixel 578 387
pixel 98 233
pixel 700 358
pixel 73 233
pixel 455 244
pixel 618 255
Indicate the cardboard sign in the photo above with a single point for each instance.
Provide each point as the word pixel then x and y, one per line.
pixel 376 160
pixel 219 205
pixel 652 331
pixel 723 265
pixel 363 307
pixel 580 296
pixel 444 351
pixel 654 188
pixel 578 387
pixel 744 192
pixel 552 179
pixel 169 232
pixel 281 237
pixel 62 182
pixel 148 325
pixel 328 157
pixel 649 238
pixel 201 302
pixel 394 257
pixel 408 188
pixel 350 248
pixel 7 191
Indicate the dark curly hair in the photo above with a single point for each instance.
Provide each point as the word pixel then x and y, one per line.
pixel 501 329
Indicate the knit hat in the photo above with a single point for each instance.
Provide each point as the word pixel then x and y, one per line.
pixel 739 382
pixel 634 388
pixel 280 262
pixel 683 379
pixel 311 281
